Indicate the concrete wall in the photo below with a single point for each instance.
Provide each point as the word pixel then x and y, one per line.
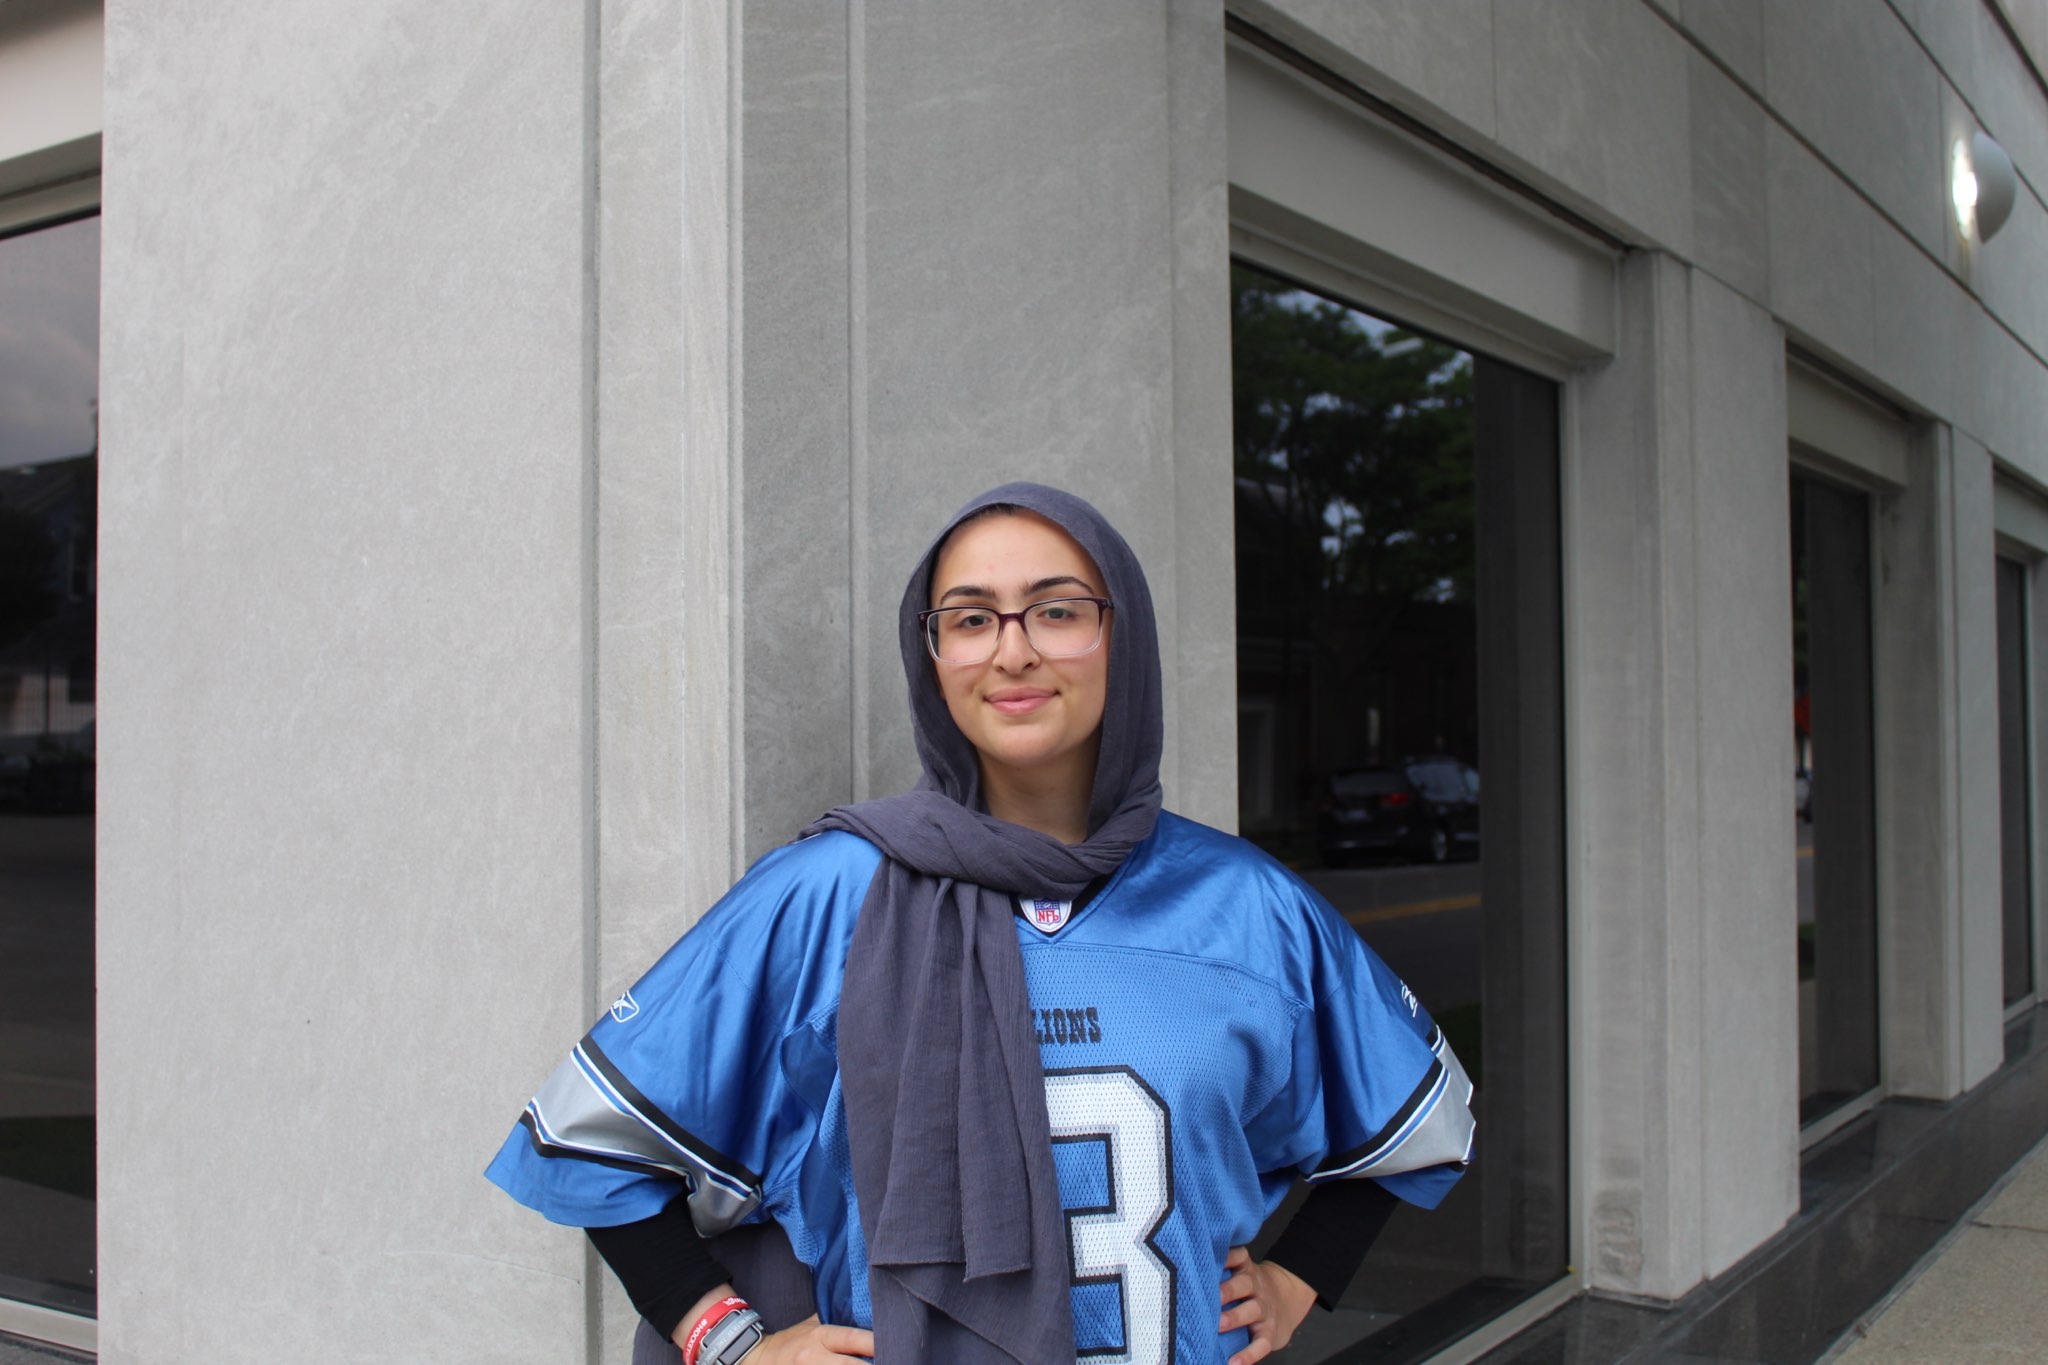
pixel 980 243
pixel 1799 153
pixel 1787 166
pixel 519 427
pixel 346 821
pixel 1679 648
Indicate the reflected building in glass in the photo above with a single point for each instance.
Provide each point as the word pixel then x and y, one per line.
pixel 49 516
pixel 1400 739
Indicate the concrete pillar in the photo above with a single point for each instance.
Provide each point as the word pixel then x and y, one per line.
pixel 1679 648
pixel 1982 959
pixel 1937 652
pixel 978 242
pixel 518 423
pixel 347 785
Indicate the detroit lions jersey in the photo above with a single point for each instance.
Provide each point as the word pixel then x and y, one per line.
pixel 1209 1028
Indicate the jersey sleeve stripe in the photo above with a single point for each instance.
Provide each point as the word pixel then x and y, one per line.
pixel 549 1147
pixel 716 1163
pixel 588 1112
pixel 1426 1131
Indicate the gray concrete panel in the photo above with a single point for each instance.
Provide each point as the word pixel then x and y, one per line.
pixel 1435 60
pixel 797 595
pixel 1021 324
pixel 2005 404
pixel 2010 276
pixel 1982 948
pixel 1329 182
pixel 643 496
pixel 1679 652
pixel 1972 51
pixel 1728 233
pixel 1633 746
pixel 1200 766
pixel 649 844
pixel 1733 30
pixel 1593 96
pixel 1918 310
pixel 1850 78
pixel 345 838
pixel 1741 623
pixel 710 431
pixel 1820 243
pixel 1919 922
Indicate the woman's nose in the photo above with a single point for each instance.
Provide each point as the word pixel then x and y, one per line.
pixel 1014 650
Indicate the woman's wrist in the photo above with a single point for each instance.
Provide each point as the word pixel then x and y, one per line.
pixel 697 1312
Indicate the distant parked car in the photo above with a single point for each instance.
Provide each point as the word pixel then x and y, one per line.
pixel 1425 809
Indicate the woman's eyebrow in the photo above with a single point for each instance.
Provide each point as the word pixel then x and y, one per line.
pixel 1030 589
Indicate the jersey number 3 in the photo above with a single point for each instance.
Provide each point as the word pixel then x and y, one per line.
pixel 1112 1244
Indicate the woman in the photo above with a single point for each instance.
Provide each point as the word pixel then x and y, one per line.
pixel 1017 1061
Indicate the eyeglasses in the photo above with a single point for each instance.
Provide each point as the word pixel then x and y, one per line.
pixel 1058 628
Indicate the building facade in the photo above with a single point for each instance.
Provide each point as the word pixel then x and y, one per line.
pixel 518 420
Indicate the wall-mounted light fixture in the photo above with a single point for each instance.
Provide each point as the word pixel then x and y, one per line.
pixel 1981 185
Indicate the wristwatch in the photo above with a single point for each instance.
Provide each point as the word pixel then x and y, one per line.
pixel 731 1338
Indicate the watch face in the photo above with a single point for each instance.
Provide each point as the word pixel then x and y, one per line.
pixel 731 1351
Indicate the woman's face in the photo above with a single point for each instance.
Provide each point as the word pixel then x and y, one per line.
pixel 1033 719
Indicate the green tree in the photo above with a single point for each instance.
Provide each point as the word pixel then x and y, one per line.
pixel 1357 435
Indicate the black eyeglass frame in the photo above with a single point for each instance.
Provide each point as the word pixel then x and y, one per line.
pixel 1003 618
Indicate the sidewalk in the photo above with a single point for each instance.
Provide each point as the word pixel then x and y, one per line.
pixel 1980 1295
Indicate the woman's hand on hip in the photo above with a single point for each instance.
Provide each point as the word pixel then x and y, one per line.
pixel 1268 1298
pixel 811 1342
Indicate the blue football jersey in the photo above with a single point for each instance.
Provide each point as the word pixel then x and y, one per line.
pixel 1210 1030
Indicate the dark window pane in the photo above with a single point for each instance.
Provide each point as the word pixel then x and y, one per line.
pixel 2015 806
pixel 49 343
pixel 1352 786
pixel 1398 634
pixel 1834 761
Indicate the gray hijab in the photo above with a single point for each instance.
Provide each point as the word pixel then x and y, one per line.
pixel 945 1095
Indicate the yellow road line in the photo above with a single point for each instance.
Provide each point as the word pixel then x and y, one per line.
pixel 1387 912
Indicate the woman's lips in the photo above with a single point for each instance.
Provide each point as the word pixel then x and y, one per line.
pixel 1019 701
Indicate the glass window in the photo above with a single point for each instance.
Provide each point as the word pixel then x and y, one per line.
pixel 1398 630
pixel 2015 805
pixel 1835 782
pixel 49 479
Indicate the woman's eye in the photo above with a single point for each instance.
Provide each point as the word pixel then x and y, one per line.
pixel 1056 612
pixel 973 620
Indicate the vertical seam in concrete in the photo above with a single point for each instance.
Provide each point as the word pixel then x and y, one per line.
pixel 590 798
pixel 735 444
pixel 859 617
pixel 1174 199
pixel 1493 84
pixel 1702 1251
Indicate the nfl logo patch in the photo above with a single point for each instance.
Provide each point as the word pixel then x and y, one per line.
pixel 1048 916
